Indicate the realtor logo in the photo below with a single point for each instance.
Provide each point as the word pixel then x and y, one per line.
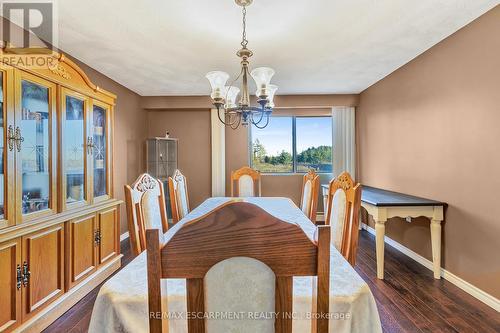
pixel 28 27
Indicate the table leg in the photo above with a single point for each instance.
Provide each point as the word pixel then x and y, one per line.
pixel 436 247
pixel 379 241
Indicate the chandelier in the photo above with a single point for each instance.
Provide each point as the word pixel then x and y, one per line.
pixel 224 96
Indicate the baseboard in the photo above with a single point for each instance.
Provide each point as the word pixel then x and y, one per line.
pixel 124 236
pixel 470 289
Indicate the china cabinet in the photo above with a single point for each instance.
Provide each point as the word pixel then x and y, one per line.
pixel 161 155
pixel 59 221
pixel 161 163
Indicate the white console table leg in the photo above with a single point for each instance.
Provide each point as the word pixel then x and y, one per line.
pixel 436 247
pixel 379 241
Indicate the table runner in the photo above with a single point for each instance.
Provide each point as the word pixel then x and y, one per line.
pixel 121 305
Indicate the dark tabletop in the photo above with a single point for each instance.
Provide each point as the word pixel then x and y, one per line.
pixel 384 198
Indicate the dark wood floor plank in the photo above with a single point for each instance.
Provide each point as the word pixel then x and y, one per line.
pixel 408 311
pixel 73 316
pixel 83 324
pixel 408 300
pixel 392 319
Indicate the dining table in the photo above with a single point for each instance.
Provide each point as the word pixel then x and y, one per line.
pixel 122 302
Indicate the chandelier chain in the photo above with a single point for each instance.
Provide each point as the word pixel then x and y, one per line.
pixel 244 40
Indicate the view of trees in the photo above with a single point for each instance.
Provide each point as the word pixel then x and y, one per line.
pixel 318 158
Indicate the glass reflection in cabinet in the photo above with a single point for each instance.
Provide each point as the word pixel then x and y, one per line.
pixel 35 148
pixel 74 155
pixel 99 150
pixel 2 172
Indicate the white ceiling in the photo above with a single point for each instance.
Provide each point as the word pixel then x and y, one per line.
pixel 165 47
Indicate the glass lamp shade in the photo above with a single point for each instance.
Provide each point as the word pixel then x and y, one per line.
pixel 262 77
pixel 271 91
pixel 217 80
pixel 230 94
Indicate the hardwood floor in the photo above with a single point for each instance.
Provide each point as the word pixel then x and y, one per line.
pixel 408 300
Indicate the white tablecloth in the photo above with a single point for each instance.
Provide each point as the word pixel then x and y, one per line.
pixel 121 305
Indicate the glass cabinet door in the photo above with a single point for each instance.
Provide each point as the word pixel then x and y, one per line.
pixel 36 145
pixel 3 150
pixel 7 154
pixel 74 147
pixel 100 149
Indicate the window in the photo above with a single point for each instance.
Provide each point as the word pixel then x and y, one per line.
pixel 292 144
pixel 313 144
pixel 272 146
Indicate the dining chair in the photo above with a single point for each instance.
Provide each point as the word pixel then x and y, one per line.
pixel 218 238
pixel 179 200
pixel 309 198
pixel 245 182
pixel 145 183
pixel 344 202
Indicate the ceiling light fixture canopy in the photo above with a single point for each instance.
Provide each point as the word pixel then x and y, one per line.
pixel 224 96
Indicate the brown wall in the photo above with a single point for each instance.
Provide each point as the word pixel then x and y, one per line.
pixel 130 133
pixel 431 129
pixel 192 128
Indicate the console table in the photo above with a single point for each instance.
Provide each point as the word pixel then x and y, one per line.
pixel 383 205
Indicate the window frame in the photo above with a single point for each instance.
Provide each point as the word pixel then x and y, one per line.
pixel 294 146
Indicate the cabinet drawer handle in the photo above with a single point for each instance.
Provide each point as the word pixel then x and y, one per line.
pixel 97 237
pixel 19 277
pixel 26 274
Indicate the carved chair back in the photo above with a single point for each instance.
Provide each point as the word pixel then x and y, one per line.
pixel 232 231
pixel 344 202
pixel 135 216
pixel 245 182
pixel 179 199
pixel 309 198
